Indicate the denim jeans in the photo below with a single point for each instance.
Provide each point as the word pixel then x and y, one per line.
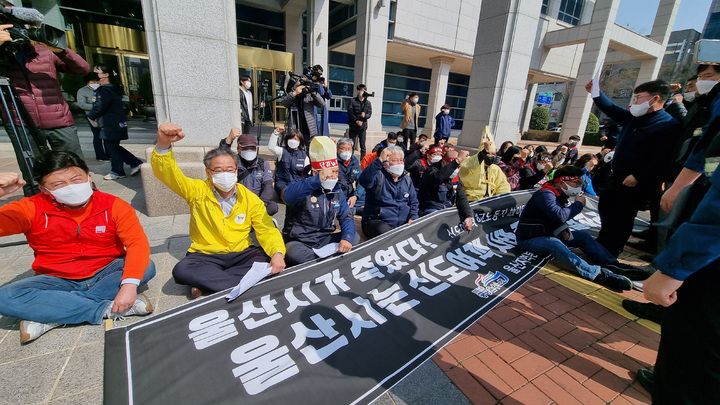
pixel 559 250
pixel 46 299
pixel 299 252
pixel 120 155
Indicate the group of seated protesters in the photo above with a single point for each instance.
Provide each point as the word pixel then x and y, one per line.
pixel 91 253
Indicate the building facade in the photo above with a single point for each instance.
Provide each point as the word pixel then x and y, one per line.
pixel 486 59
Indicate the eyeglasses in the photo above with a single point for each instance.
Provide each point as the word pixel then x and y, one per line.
pixel 635 99
pixel 223 170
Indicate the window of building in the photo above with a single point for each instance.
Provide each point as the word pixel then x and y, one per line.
pixel 570 11
pixel 342 20
pixel 544 8
pixel 260 28
pixel 712 29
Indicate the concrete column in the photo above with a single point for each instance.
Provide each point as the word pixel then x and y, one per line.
pixel 529 106
pixel 503 50
pixel 294 31
pixel 578 109
pixel 438 90
pixel 554 8
pixel 664 19
pixel 184 39
pixel 317 31
pixel 370 56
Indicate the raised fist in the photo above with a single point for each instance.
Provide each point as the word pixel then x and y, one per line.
pixel 169 133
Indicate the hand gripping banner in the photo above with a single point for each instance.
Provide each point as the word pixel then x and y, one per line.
pixel 339 331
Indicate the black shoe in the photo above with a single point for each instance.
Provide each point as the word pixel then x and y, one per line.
pixel 642 234
pixel 631 272
pixel 645 246
pixel 646 379
pixel 613 281
pixel 647 258
pixel 649 311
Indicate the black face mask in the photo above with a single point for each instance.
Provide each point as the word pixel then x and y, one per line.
pixel 573 144
pixel 489 159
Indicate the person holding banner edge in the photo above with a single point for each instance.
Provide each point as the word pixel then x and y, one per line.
pixel 313 204
pixel 543 229
pixel 91 253
pixel 390 199
pixel 224 213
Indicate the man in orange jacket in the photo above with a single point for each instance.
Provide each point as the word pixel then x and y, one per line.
pixel 91 252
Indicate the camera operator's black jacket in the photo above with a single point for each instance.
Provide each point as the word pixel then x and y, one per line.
pixel 109 110
pixel 306 106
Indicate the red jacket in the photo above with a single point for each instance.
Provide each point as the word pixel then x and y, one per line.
pixel 39 88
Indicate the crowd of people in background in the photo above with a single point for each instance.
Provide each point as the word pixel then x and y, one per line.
pixel 655 156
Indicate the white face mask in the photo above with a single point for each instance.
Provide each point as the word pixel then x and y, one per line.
pixel 572 191
pixel 345 156
pixel 396 170
pixel 435 159
pixel 638 110
pixel 415 100
pixel 293 143
pixel 689 96
pixel 73 194
pixel 224 181
pixel 248 154
pixel 94 86
pixel 423 143
pixel 704 86
pixel 444 111
pixel 247 85
pixel 540 166
pixel 329 184
pixel 400 139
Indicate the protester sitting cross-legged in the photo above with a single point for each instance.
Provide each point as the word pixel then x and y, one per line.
pixel 390 198
pixel 349 172
pixel 254 172
pixel 481 177
pixel 441 188
pixel 91 252
pixel 313 204
pixel 291 157
pixel 223 215
pixel 533 175
pixel 543 229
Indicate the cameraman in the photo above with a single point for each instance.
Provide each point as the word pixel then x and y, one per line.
pixel 306 101
pixel 359 111
pixel 246 102
pixel 320 85
pixel 33 71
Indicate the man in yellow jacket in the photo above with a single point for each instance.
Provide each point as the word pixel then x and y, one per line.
pixel 481 177
pixel 223 214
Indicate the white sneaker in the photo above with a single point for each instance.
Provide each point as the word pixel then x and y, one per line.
pixel 30 330
pixel 113 176
pixel 135 170
pixel 142 306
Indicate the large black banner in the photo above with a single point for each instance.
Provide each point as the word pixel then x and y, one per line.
pixel 343 330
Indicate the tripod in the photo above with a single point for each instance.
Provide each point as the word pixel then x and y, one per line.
pixel 21 129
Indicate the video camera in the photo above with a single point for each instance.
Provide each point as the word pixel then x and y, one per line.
pixel 23 31
pixel 369 94
pixel 291 81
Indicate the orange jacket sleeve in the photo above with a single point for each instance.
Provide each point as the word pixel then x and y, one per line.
pixel 16 217
pixel 132 235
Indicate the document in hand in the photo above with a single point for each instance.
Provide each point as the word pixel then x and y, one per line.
pixel 256 273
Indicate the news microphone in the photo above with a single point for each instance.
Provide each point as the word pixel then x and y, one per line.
pixel 25 14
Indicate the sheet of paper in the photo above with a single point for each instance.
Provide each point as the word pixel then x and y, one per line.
pixel 595 92
pixel 326 250
pixel 256 273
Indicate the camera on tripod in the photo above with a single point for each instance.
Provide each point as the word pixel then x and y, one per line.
pixel 265 86
pixel 22 33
